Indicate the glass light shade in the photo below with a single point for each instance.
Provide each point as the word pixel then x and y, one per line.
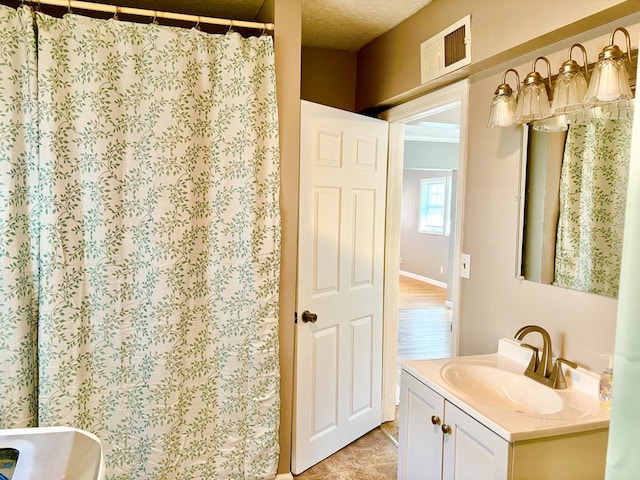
pixel 533 103
pixel 569 92
pixel 609 82
pixel 503 105
pixel 503 108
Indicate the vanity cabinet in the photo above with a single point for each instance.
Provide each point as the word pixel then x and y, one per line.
pixel 438 440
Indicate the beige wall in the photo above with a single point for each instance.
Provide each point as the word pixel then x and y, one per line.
pixel 288 40
pixel 329 77
pixel 287 17
pixel 389 67
pixel 494 303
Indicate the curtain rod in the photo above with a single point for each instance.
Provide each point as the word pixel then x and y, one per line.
pixel 116 10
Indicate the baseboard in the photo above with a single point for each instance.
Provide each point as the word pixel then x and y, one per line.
pixel 284 476
pixel 420 278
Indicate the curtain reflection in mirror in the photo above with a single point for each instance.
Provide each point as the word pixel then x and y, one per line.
pixel 593 190
pixel 576 183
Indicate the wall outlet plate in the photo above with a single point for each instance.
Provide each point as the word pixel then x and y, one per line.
pixel 465 265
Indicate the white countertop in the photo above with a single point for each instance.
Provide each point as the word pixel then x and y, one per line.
pixel 581 411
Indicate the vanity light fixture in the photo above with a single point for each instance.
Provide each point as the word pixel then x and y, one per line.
pixel 533 101
pixel 610 79
pixel 570 87
pixel 503 106
pixel 575 98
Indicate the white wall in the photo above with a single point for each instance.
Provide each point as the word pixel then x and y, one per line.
pixel 431 155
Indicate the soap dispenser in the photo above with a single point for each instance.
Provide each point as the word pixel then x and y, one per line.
pixel 606 384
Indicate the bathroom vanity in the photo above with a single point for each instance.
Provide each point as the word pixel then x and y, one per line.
pixel 479 417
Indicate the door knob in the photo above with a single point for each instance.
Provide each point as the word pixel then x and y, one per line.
pixel 308 317
pixel 446 429
pixel 435 419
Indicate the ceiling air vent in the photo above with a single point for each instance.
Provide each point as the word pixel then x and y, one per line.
pixel 447 51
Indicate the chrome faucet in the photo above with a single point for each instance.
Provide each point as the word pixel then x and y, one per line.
pixel 542 371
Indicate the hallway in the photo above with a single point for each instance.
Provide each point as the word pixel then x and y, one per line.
pixel 424 322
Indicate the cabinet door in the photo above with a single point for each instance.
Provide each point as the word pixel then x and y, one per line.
pixel 472 451
pixel 420 440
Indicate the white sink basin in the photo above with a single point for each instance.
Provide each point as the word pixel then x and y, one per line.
pixel 501 388
pixel 493 389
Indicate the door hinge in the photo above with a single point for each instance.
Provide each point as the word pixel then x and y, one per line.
pixel 295 317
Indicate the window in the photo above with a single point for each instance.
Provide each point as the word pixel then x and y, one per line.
pixel 435 203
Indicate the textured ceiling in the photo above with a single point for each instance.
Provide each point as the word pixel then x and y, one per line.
pixel 341 24
pixel 351 24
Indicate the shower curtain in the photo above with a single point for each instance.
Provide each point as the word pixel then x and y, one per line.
pixel 18 219
pixel 158 234
pixel 593 190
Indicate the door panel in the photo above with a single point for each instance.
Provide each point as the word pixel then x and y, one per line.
pixel 364 211
pixel 325 387
pixel 326 218
pixel 361 365
pixel 340 278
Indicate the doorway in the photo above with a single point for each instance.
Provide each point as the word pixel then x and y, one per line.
pixel 429 185
pixel 402 120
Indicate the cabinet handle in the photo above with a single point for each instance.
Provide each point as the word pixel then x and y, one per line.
pixel 435 420
pixel 446 429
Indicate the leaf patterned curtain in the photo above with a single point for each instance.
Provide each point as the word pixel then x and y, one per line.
pixel 18 219
pixel 593 191
pixel 159 246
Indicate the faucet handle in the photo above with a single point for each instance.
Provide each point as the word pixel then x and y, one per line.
pixel 533 363
pixel 557 376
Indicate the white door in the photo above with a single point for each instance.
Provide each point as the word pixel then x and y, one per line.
pixel 338 372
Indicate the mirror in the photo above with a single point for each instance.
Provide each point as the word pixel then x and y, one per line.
pixel 573 192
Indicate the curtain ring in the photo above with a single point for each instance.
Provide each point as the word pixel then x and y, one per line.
pixel 154 20
pixel 197 25
pixel 115 15
pixel 264 29
pixel 69 6
pixel 230 27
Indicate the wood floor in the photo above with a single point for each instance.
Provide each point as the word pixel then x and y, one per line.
pixel 424 322
pixel 424 331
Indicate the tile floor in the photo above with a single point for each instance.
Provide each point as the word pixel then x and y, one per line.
pixel 371 457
